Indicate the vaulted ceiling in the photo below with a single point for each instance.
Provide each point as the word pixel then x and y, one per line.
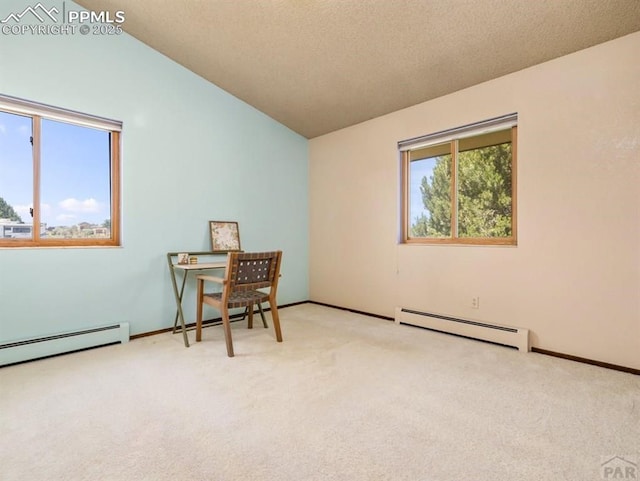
pixel 320 65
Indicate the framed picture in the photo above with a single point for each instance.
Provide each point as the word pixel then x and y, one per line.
pixel 225 236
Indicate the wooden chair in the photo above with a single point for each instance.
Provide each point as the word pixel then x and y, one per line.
pixel 246 272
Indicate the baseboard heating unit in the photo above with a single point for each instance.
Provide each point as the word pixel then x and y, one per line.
pixel 498 334
pixel 36 348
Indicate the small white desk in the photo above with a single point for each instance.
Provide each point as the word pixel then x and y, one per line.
pixel 186 268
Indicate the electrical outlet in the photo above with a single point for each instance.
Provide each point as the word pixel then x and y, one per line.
pixel 475 302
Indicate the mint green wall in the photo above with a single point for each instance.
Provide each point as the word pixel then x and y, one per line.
pixel 191 153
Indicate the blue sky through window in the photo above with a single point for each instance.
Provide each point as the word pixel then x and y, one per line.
pixel 417 170
pixel 74 171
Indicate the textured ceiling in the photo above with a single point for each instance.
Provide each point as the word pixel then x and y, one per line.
pixel 319 65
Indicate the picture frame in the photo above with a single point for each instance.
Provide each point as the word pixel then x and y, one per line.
pixel 225 236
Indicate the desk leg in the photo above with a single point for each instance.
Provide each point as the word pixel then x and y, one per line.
pixel 178 296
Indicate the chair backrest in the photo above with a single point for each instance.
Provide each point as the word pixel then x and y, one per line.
pixel 253 270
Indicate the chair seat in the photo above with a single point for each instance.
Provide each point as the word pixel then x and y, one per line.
pixel 241 298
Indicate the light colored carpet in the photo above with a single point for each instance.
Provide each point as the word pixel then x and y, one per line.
pixel 344 397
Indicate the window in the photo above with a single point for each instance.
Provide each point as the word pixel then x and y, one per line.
pixel 459 186
pixel 59 177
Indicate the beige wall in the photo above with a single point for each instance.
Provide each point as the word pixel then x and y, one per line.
pixel 573 279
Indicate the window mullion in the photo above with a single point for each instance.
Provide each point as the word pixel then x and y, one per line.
pixel 36 132
pixel 454 189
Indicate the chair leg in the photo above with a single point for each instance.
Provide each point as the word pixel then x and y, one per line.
pixel 199 297
pixel 250 313
pixel 264 321
pixel 227 331
pixel 276 319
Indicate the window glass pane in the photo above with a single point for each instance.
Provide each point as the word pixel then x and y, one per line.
pixel 75 183
pixel 16 177
pixel 430 195
pixel 484 191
